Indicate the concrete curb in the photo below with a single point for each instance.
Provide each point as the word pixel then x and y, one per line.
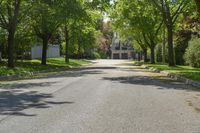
pixel 174 76
pixel 28 74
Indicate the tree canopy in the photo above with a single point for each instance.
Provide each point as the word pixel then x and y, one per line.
pixel 84 28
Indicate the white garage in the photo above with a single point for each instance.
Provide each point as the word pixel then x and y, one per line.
pixel 53 51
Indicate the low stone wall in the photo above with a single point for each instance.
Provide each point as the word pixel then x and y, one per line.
pixel 174 76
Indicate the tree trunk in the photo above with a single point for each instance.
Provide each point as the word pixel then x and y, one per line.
pixel 109 51
pixel 11 34
pixel 141 55
pixel 168 19
pixel 152 60
pixel 0 56
pixel 79 47
pixel 44 51
pixel 145 55
pixel 11 52
pixel 171 58
pixel 1 52
pixel 163 47
pixel 198 5
pixel 139 59
pixel 79 52
pixel 67 45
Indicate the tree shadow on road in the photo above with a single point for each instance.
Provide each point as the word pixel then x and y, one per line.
pixel 161 83
pixel 16 97
pixel 64 74
pixel 15 85
pixel 12 103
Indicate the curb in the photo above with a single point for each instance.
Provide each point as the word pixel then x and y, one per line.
pixel 27 74
pixel 174 76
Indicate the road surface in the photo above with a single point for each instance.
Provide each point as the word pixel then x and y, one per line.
pixel 108 97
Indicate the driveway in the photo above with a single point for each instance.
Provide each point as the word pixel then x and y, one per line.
pixel 110 96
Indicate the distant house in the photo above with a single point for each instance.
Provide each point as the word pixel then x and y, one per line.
pixel 53 51
pixel 121 50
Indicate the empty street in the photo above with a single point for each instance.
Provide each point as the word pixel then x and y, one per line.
pixel 109 96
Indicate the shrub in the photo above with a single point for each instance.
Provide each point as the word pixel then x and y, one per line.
pixel 192 54
pixel 96 55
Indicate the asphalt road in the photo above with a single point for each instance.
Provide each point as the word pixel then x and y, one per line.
pixel 108 97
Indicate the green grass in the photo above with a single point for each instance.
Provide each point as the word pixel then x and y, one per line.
pixel 61 62
pixel 185 71
pixel 34 65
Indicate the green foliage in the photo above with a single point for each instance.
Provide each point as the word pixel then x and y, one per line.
pixel 39 21
pixel 87 33
pixel 183 37
pixel 159 53
pixel 101 5
pixel 140 20
pixel 44 18
pixel 95 55
pixel 104 39
pixel 170 11
pixel 192 54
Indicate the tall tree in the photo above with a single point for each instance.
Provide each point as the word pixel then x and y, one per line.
pixel 170 11
pixel 45 22
pixel 9 18
pixel 70 12
pixel 139 38
pixel 141 18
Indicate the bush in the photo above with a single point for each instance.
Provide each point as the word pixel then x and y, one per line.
pixel 192 54
pixel 96 55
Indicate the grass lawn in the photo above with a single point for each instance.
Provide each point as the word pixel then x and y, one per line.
pixel 34 65
pixel 185 71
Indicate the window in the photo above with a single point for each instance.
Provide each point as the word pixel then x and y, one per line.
pixel 117 48
pixel 124 48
